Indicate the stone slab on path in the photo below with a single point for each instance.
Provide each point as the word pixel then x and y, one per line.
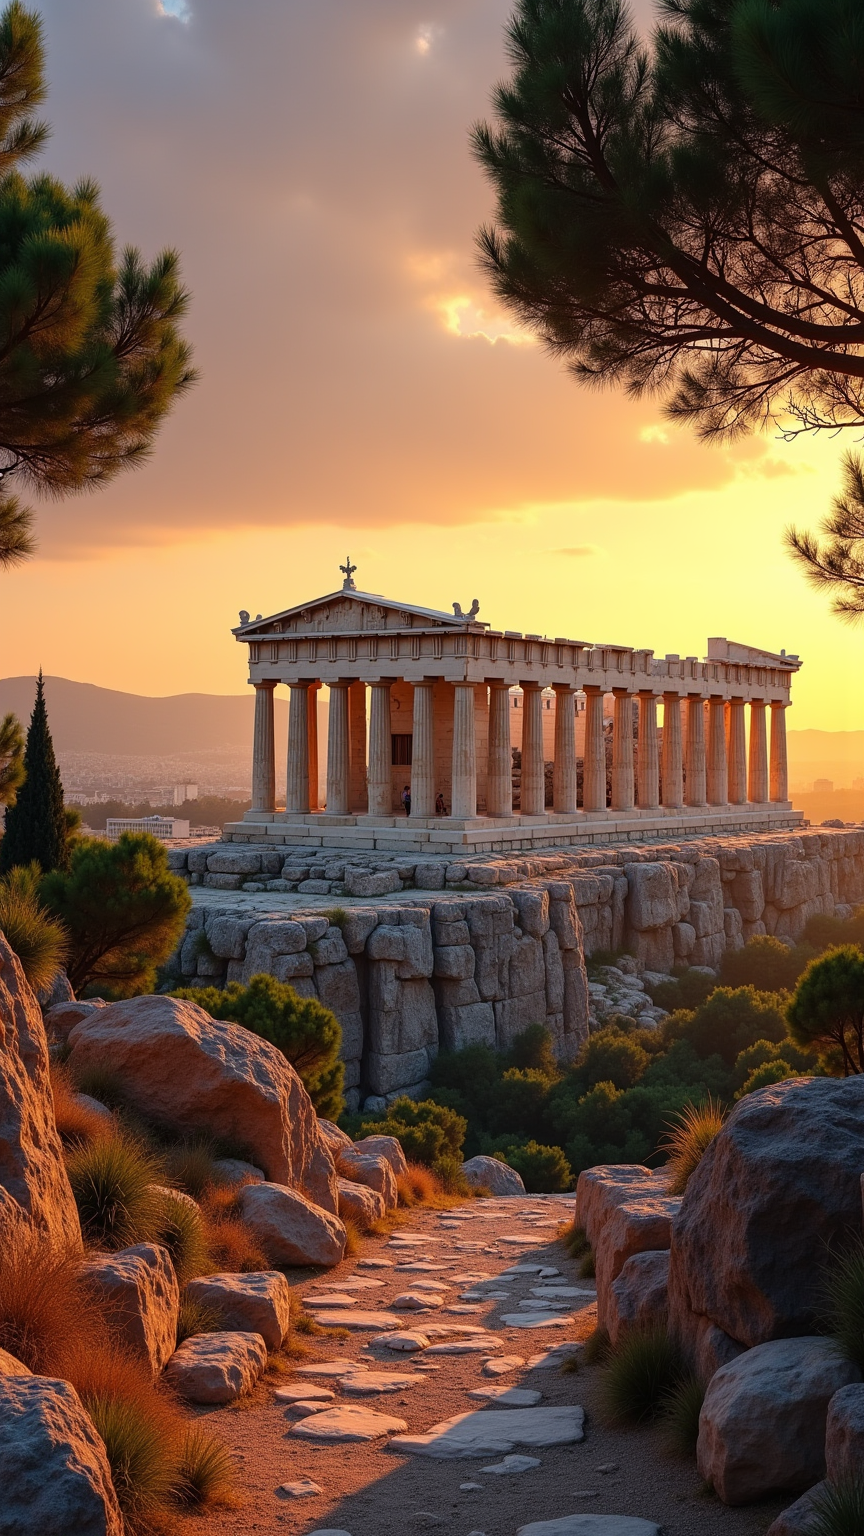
pixel 502 1365
pixel 491 1431
pixel 353 1318
pixel 591 1525
pixel 535 1320
pixel 348 1423
pixel 370 1383
pixel 508 1397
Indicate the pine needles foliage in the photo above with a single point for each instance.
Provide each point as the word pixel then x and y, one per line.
pixel 36 825
pixel 39 941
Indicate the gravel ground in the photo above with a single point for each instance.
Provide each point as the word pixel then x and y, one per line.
pixel 368 1490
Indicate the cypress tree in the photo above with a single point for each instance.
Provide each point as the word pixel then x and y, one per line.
pixel 36 826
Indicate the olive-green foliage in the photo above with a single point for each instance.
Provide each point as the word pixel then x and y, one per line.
pixel 307 1033
pixel 429 1133
pixel 38 940
pixel 35 828
pixel 181 1230
pixel 823 932
pixel 765 1062
pixel 729 1021
pixel 680 1408
pixel 543 1170
pixel 844 1300
pixel 123 909
pixel 532 1051
pixel 141 1471
pixel 838 1509
pixel 690 988
pixel 827 1009
pixel 642 1369
pixel 206 1474
pixel 766 964
pixel 11 759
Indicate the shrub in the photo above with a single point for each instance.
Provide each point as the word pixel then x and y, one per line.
pixel 776 1071
pixel 689 1139
pixel 517 1106
pixel 191 1166
pixel 123 909
pixel 112 1180
pixel 544 1170
pixel 196 1317
pixel 39 941
pixel 533 1050
pixel 680 1408
pixel 231 1245
pixel 729 1021
pixel 829 932
pixel 428 1133
pixel 597 1347
pixel 575 1240
pixel 827 1010
pixel 641 1371
pixel 142 1458
pixel 764 963
pixel 44 1307
pixel 610 1056
pixel 689 990
pixel 844 1301
pixel 838 1509
pixel 307 1033
pixel 182 1231
pixel 205 1471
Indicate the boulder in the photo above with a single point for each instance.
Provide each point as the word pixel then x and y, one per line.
pixel 334 1138
pixel 53 1467
pixel 9 1366
pixel 369 1168
pixel 797 1520
pixel 216 1367
pixel 388 1147
pixel 141 1298
pixel 255 1303
pixel 778 1185
pixel 192 1073
pixel 291 1228
pixel 357 1202
pixel 60 991
pixel 234 1171
pixel 488 1173
pixel 762 1426
pixel 34 1184
pixel 642 1224
pixel 639 1298
pixel 591 1525
pixel 61 1018
pixel 844 1434
pixel 600 1190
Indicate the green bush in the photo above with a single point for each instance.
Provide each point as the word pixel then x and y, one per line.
pixel 611 1056
pixel 39 941
pixel 306 1032
pixel 830 932
pixel 543 1170
pixel 730 1020
pixel 112 1180
pixel 844 1301
pixel 641 1371
pixel 518 1104
pixel 689 990
pixel 764 963
pixel 680 1408
pixel 770 1072
pixel 428 1133
pixel 533 1050
pixel 827 1011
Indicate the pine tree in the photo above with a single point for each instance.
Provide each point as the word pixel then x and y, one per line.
pixel 36 826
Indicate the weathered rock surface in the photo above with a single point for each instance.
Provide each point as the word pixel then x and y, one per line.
pixel 216 1367
pixel 192 1073
pixel 235 1171
pixel 600 1190
pixel 591 1525
pixel 844 1434
pixel 488 1173
pixel 9 1366
pixel 371 1169
pixel 781 1183
pixel 291 1228
pixel 642 1224
pixel 762 1426
pixel 53 1468
pixel 34 1185
pixel 141 1298
pixel 384 1146
pixel 357 1202
pixel 492 1431
pixel 797 1520
pixel 61 1019
pixel 348 1423
pixel 639 1297
pixel 259 1302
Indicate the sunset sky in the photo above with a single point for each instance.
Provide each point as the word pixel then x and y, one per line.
pixel 360 392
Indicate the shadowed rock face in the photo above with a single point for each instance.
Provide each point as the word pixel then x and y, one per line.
pixel 53 1465
pixel 33 1180
pixel 183 1069
pixel 777 1188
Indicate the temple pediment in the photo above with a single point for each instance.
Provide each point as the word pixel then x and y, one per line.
pixel 353 612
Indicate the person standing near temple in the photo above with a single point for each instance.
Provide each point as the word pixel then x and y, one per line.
pixel 440 807
pixel 406 799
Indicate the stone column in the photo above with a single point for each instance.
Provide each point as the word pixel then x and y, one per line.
pixel 718 785
pixel 594 760
pixel 312 710
pixel 649 764
pixel 338 756
pixel 297 787
pixel 378 774
pixel 779 769
pixel 622 751
pixel 464 790
pixel 695 759
pixel 499 771
pixel 672 760
pixel 423 750
pixel 564 767
pixel 533 773
pixel 757 788
pixel 736 752
pixel 264 750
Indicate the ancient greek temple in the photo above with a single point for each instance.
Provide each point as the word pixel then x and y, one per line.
pixel 420 722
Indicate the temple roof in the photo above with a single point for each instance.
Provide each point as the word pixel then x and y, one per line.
pixel 348 608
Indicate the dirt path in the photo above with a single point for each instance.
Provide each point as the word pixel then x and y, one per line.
pixel 370 1490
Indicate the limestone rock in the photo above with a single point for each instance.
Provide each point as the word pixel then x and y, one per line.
pixel 347 1423
pixel 600 1190
pixel 192 1073
pixel 639 1298
pixel 357 1202
pixel 291 1228
pixel 371 1169
pixel 139 1291
pixel 216 1367
pixel 259 1302
pixel 53 1467
pixel 9 1366
pixel 33 1181
pixel 492 1431
pixel 363 882
pixel 591 1525
pixel 335 1139
pixel 235 1171
pixel 779 1183
pixel 797 1520
pixel 60 991
pixel 488 1173
pixel 62 1017
pixel 844 1434
pixel 640 1225
pixel 388 1147
pixel 762 1426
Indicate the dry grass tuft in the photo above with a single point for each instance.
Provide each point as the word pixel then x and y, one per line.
pixel 44 1308
pixel 688 1140
pixel 191 1167
pixel 184 1234
pixel 353 1237
pixel 196 1317
pixel 206 1471
pixel 112 1180
pixel 76 1124
pixel 421 1186
pixel 231 1245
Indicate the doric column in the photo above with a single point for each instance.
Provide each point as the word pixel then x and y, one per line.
pixel 695 759
pixel 779 769
pixel 718 785
pixel 423 750
pixel 464 790
pixel 499 770
pixel 594 760
pixel 622 751
pixel 564 766
pixel 338 756
pixel 533 770
pixel 380 752
pixel 649 764
pixel 264 750
pixel 312 710
pixel 297 787
pixel 736 752
pixel 757 788
pixel 672 760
